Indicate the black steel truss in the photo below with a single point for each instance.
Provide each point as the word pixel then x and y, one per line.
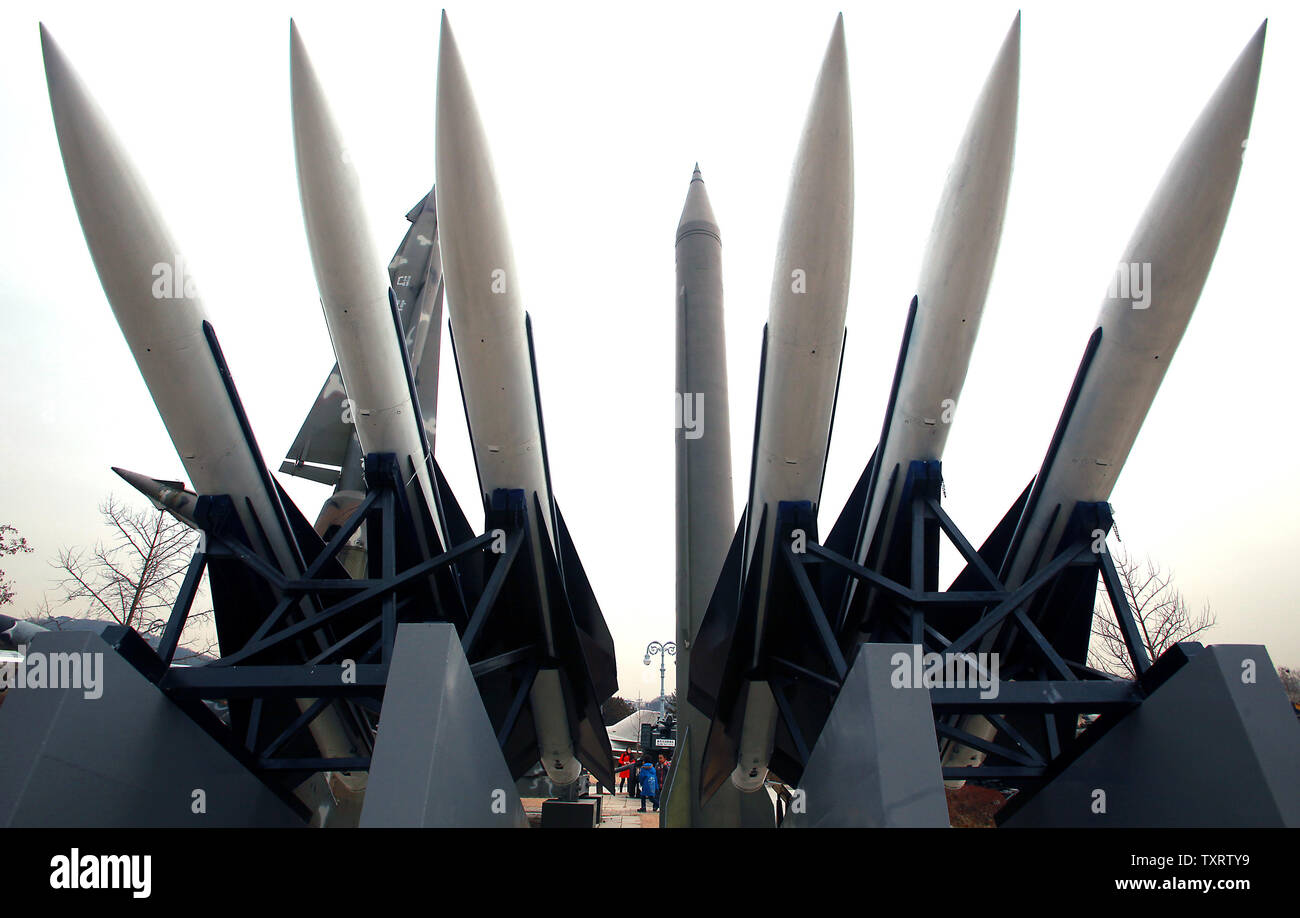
pixel 349 624
pixel 1041 692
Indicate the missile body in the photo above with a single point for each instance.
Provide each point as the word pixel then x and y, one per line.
pixel 164 326
pixel 955 274
pixel 354 291
pixel 489 330
pixel 1168 258
pixel 159 312
pixel 1170 253
pixel 705 513
pixel 805 338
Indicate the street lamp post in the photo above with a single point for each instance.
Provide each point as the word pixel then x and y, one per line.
pixel 665 651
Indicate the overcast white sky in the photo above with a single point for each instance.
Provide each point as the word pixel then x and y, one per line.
pixel 597 114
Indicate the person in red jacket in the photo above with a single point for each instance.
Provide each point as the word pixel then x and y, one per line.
pixel 625 777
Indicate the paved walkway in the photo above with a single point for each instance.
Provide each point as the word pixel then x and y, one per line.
pixel 621 812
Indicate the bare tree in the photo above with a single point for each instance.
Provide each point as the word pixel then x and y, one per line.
pixel 10 544
pixel 132 578
pixel 1161 612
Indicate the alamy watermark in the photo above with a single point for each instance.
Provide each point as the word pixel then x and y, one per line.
pixel 84 671
pixel 688 414
pixel 103 871
pixel 945 670
pixel 1131 281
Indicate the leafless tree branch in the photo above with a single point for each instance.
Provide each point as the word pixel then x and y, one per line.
pixel 1160 611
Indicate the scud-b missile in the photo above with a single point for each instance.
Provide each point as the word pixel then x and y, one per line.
pixel 1148 306
pixel 492 345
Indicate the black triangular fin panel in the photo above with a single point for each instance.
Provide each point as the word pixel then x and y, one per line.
pixel 994 549
pixel 574 649
pixel 311 543
pixel 713 640
pixel 842 540
pixel 587 615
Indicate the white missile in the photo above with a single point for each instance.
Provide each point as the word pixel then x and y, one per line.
pixel 1145 313
pixel 163 320
pixel 805 338
pixel 955 274
pixel 158 308
pixel 492 353
pixel 1143 317
pixel 354 287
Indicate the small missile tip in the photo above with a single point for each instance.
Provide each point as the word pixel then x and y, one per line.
pixel 446 37
pixel 48 45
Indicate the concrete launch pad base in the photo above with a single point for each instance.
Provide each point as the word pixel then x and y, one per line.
pixel 436 761
pixel 875 763
pixel 1217 744
pixel 126 758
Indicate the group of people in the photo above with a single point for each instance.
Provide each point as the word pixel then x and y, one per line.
pixel 641 777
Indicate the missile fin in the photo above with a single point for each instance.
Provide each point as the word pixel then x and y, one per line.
pixel 459 531
pixel 458 527
pixel 575 650
pixel 308 539
pixel 272 488
pixel 460 382
pixel 835 402
pixel 1062 425
pixel 842 540
pixel 721 749
pixel 541 425
pixel 711 652
pixel 415 274
pixel 590 621
pixel 995 546
pixel 320 448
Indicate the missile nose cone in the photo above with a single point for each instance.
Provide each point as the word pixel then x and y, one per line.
pixel 129 243
pixel 816 237
pixel 697 214
pixel 1179 232
pixel 343 253
pixel 475 241
pixel 162 494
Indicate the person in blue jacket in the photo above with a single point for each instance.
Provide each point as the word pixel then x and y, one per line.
pixel 649 784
